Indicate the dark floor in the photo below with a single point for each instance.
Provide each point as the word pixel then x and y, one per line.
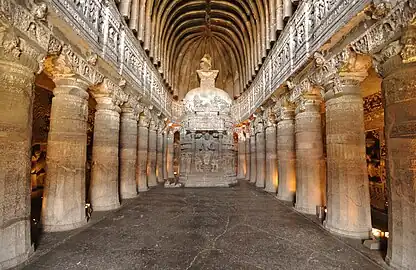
pixel 234 228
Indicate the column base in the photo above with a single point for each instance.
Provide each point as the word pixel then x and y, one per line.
pixel 153 184
pixel 362 235
pixel 13 262
pixel 259 184
pixel 64 227
pixel 305 210
pixel 286 198
pixel 241 177
pixel 270 190
pixel 143 189
pixel 129 196
pixel 102 208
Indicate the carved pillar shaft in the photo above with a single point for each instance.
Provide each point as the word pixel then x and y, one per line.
pixel 271 160
pixel 66 172
pixel 399 90
pixel 15 141
pixel 152 155
pixel 260 158
pixel 248 158
pixel 159 158
pixel 348 189
pixel 142 155
pixel 286 155
pixel 105 156
pixel 310 173
pixel 241 158
pixel 165 156
pixel 128 154
pixel 170 155
pixel 253 162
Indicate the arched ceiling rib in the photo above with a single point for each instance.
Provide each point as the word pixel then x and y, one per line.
pixel 177 33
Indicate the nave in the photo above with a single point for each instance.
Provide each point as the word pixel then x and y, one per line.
pixel 236 228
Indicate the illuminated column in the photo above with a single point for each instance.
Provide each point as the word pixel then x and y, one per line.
pixel 286 154
pixel 17 69
pixel 170 154
pixel 159 150
pixel 271 156
pixel 399 89
pixel 128 149
pixel 248 156
pixel 104 187
pixel 310 173
pixel 348 188
pixel 66 173
pixel 260 154
pixel 253 162
pixel 152 154
pixel 142 151
pixel 241 155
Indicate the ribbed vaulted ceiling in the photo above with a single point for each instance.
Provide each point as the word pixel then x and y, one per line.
pixel 177 33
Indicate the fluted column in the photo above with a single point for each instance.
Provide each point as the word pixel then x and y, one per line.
pixel 104 187
pixel 128 149
pixel 253 162
pixel 310 173
pixel 64 193
pixel 260 154
pixel 286 154
pixel 152 154
pixel 248 156
pixel 241 155
pixel 142 152
pixel 159 150
pixel 16 78
pixel 271 157
pixel 399 90
pixel 348 188
pixel 170 154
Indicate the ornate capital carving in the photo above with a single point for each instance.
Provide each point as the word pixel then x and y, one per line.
pixel 109 95
pixel 309 103
pixel 409 41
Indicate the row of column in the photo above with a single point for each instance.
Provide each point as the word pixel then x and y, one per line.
pixel 128 154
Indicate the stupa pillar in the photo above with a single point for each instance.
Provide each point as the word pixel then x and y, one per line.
pixel 104 187
pixel 260 154
pixel 286 153
pixel 241 155
pixel 310 173
pixel 17 67
pixel 142 151
pixel 253 160
pixel 348 195
pixel 248 156
pixel 271 155
pixel 128 149
pixel 399 90
pixel 159 150
pixel 152 154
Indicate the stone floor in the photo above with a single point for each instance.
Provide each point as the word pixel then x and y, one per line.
pixel 228 228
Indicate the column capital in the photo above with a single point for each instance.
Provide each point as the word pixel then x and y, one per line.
pixel 286 110
pixel 130 106
pixel 16 50
pixel 308 102
pixel 108 95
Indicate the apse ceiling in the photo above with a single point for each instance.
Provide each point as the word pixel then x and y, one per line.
pixel 236 33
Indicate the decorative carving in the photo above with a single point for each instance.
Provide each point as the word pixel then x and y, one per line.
pixel 409 40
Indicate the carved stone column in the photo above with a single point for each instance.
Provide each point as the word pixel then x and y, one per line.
pixel 104 187
pixel 152 154
pixel 399 90
pixel 248 156
pixel 170 154
pixel 66 172
pixel 310 172
pixel 128 149
pixel 142 151
pixel 241 155
pixel 17 67
pixel 260 154
pixel 348 192
pixel 253 162
pixel 286 154
pixel 165 154
pixel 271 155
pixel 159 150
